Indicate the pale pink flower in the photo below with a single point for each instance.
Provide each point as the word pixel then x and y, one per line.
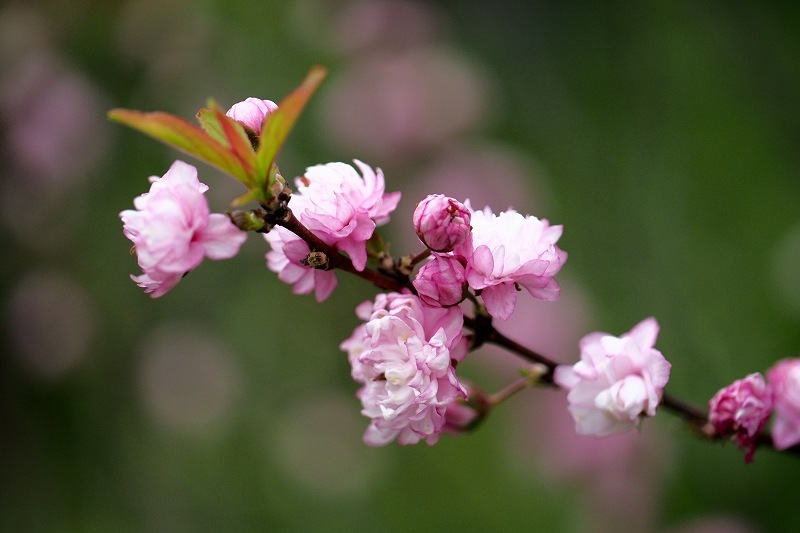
pixel 403 355
pixel 441 223
pixel 784 377
pixel 343 208
pixel 617 381
pixel 509 250
pixel 743 407
pixel 252 112
pixel 285 257
pixel 172 230
pixel 441 282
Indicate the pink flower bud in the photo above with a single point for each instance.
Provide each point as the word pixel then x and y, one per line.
pixel 441 282
pixel 742 407
pixel 441 223
pixel 784 378
pixel 252 112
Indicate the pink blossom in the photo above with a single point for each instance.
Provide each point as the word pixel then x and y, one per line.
pixel 441 282
pixel 742 407
pixel 343 208
pixel 172 230
pixel 403 356
pixel 285 257
pixel 252 112
pixel 441 223
pixel 617 380
pixel 784 377
pixel 509 250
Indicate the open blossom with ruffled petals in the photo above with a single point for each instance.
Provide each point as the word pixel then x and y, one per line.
pixel 403 355
pixel 172 230
pixel 742 407
pixel 441 223
pixel 784 377
pixel 285 257
pixel 252 112
pixel 441 282
pixel 509 250
pixel 617 381
pixel 343 208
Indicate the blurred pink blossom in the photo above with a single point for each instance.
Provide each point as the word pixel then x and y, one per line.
pixel 398 24
pixel 403 357
pixel 172 230
pixel 784 377
pixel 617 380
pixel 441 282
pixel 507 250
pixel 743 407
pixel 252 112
pixel 396 106
pixel 441 222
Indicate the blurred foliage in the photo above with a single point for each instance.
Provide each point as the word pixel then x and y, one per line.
pixel 669 135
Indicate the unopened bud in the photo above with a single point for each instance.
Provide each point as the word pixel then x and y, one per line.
pixel 247 220
pixel 441 282
pixel 316 260
pixel 252 112
pixel 442 223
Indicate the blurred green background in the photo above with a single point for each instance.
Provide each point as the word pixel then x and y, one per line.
pixel 663 135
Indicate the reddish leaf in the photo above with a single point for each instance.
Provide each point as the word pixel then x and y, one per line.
pixel 186 137
pixel 279 123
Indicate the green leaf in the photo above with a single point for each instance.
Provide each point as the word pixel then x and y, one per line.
pixel 208 121
pixel 280 122
pixel 186 137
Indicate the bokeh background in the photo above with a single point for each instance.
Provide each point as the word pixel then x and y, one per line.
pixel 663 135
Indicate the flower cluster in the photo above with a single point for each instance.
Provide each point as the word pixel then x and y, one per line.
pixel 405 353
pixel 404 356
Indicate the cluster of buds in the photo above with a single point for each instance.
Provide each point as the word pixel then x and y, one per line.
pixel 438 305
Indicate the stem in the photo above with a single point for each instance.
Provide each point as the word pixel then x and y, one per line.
pixel 337 259
pixel 505 393
pixel 695 418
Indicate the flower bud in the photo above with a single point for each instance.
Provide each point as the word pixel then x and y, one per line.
pixel 252 112
pixel 441 223
pixel 743 408
pixel 441 282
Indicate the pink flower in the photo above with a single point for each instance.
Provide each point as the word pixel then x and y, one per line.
pixel 172 230
pixel 784 377
pixel 508 250
pixel 343 208
pixel 441 223
pixel 252 112
pixel 285 257
pixel 617 380
pixel 441 282
pixel 742 407
pixel 403 355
